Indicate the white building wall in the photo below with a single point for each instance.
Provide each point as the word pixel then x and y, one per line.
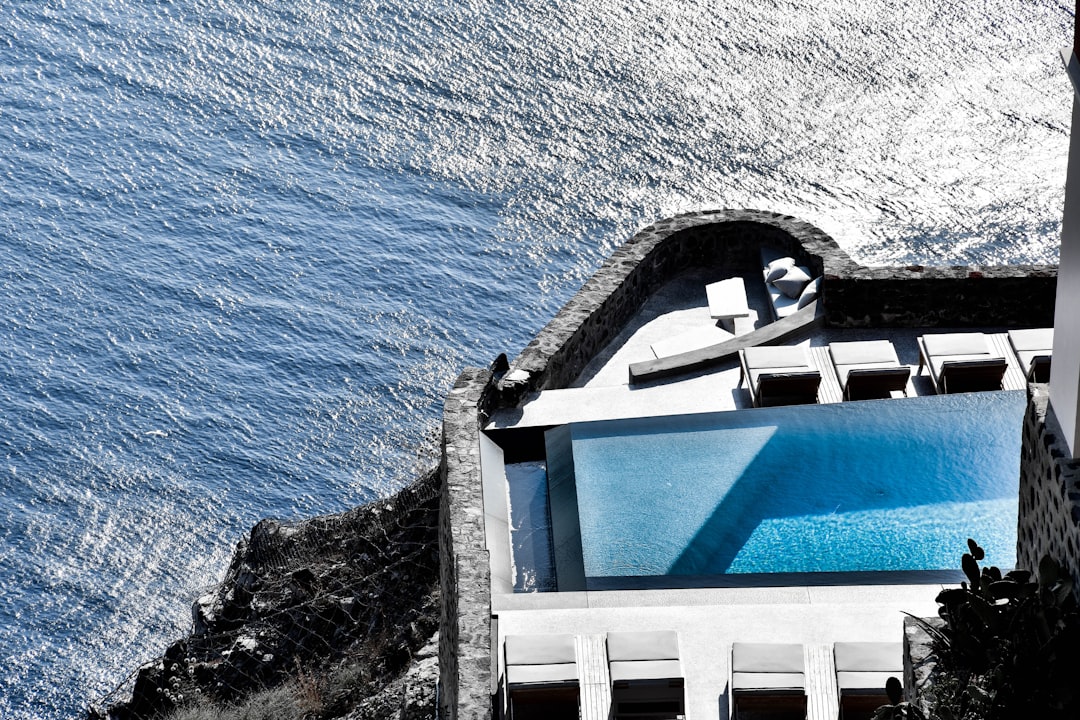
pixel 1065 377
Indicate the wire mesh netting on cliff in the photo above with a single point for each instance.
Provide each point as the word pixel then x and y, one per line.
pixel 323 616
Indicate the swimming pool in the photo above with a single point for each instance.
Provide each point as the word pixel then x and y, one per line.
pixel 891 485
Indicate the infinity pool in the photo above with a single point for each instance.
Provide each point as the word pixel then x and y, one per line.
pixel 892 485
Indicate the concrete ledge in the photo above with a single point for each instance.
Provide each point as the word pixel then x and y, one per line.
pixel 782 330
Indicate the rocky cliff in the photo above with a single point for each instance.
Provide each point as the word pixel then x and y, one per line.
pixel 332 617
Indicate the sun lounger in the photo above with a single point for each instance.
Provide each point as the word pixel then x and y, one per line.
pixel 779 375
pixel 1033 348
pixel 961 362
pixel 646 675
pixel 868 369
pixel 541 677
pixel 768 680
pixel 862 669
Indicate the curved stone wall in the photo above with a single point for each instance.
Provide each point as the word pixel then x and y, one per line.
pixel 655 255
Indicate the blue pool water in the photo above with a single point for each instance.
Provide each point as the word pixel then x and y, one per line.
pixel 894 485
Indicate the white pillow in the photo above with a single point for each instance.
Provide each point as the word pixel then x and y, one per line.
pixel 793 282
pixel 809 293
pixel 778 268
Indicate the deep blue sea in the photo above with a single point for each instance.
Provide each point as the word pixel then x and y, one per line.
pixel 247 245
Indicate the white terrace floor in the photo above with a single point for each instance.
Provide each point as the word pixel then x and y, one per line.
pixel 707 620
pixel 679 311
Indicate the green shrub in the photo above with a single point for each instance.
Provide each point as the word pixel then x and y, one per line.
pixel 1009 647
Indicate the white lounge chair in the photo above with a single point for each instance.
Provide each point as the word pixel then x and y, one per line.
pixel 779 375
pixel 862 669
pixel 1033 348
pixel 961 362
pixel 868 369
pixel 541 677
pixel 768 680
pixel 646 675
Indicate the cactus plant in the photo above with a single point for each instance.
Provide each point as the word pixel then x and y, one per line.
pixel 1010 645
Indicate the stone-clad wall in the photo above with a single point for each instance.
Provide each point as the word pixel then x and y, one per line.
pixel 464 569
pixel 1049 515
pixel 916 296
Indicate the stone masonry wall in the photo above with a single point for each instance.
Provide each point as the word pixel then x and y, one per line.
pixel 1049 514
pixel 464 568
pixel 916 296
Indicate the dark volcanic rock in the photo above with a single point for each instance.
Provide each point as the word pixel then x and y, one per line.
pixel 300 602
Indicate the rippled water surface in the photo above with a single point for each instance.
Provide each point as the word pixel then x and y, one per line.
pixel 245 247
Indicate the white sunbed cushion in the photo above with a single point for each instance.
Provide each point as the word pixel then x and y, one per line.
pixel 1033 340
pixel 777 358
pixel 646 645
pixel 773 658
pixel 778 268
pixel 869 656
pixel 540 649
pixel 645 670
pixel 793 282
pixel 956 344
pixel 863 352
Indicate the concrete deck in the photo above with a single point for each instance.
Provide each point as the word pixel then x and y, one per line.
pixel 680 310
pixel 708 620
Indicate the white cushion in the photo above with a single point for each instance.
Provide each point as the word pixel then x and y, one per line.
pixel 782 304
pixel 776 357
pixel 809 293
pixel 1034 339
pixel 778 268
pixel 793 282
pixel 973 343
pixel 645 670
pixel 776 658
pixel 869 656
pixel 863 352
pixel 646 645
pixel 539 649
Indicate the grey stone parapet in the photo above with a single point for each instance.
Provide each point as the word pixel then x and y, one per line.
pixel 465 681
pixel 1049 512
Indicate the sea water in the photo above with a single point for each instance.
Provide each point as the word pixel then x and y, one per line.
pixel 245 247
